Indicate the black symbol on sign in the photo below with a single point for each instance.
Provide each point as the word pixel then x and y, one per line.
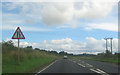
pixel 18 34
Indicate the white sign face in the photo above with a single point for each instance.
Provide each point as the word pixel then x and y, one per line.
pixel 18 34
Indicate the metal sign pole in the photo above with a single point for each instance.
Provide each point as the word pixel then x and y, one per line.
pixel 18 53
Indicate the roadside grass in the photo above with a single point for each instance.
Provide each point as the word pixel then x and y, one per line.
pixel 110 59
pixel 26 66
pixel 30 60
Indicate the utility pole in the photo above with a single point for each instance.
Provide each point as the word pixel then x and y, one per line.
pixel 106 43
pixel 107 52
pixel 111 44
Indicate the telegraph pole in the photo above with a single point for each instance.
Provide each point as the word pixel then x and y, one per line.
pixel 106 43
pixel 111 44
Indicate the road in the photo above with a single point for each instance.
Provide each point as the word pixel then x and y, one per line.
pixel 80 66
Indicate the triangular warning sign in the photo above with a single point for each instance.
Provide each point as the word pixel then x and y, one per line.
pixel 18 34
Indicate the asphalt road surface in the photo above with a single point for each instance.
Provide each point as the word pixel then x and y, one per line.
pixel 80 66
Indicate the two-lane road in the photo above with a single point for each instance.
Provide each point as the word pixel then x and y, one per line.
pixel 79 66
pixel 65 66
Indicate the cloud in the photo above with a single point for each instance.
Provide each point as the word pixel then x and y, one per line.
pixel 57 13
pixel 55 0
pixel 24 28
pixel 29 21
pixel 63 14
pixel 11 21
pixel 93 9
pixel 35 29
pixel 91 45
pixel 67 40
pixel 95 44
pixel 103 26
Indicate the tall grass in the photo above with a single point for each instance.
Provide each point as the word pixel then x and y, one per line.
pixel 30 59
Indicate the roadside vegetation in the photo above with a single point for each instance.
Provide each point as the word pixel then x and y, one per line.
pixel 103 58
pixel 30 59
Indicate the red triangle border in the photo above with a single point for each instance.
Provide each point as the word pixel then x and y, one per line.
pixel 20 32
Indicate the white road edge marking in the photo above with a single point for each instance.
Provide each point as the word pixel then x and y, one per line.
pixel 46 67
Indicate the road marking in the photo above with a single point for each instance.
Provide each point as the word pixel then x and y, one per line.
pixel 99 71
pixel 74 61
pixel 94 70
pixel 81 65
pixel 82 62
pixel 89 65
pixel 45 67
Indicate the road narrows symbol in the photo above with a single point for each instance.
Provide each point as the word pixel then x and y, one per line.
pixel 18 34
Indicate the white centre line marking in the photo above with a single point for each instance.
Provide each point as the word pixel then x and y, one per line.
pixel 74 61
pixel 94 70
pixel 89 65
pixel 81 65
pixel 101 71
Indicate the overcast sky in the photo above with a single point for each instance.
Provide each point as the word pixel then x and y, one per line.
pixel 73 27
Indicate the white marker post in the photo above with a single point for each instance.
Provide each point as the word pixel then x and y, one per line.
pixel 18 35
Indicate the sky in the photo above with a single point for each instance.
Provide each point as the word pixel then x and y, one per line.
pixel 74 27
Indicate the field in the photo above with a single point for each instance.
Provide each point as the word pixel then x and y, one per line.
pixel 30 60
pixel 104 58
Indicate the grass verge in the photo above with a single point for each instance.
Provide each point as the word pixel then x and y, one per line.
pixel 26 66
pixel 109 59
pixel 30 59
